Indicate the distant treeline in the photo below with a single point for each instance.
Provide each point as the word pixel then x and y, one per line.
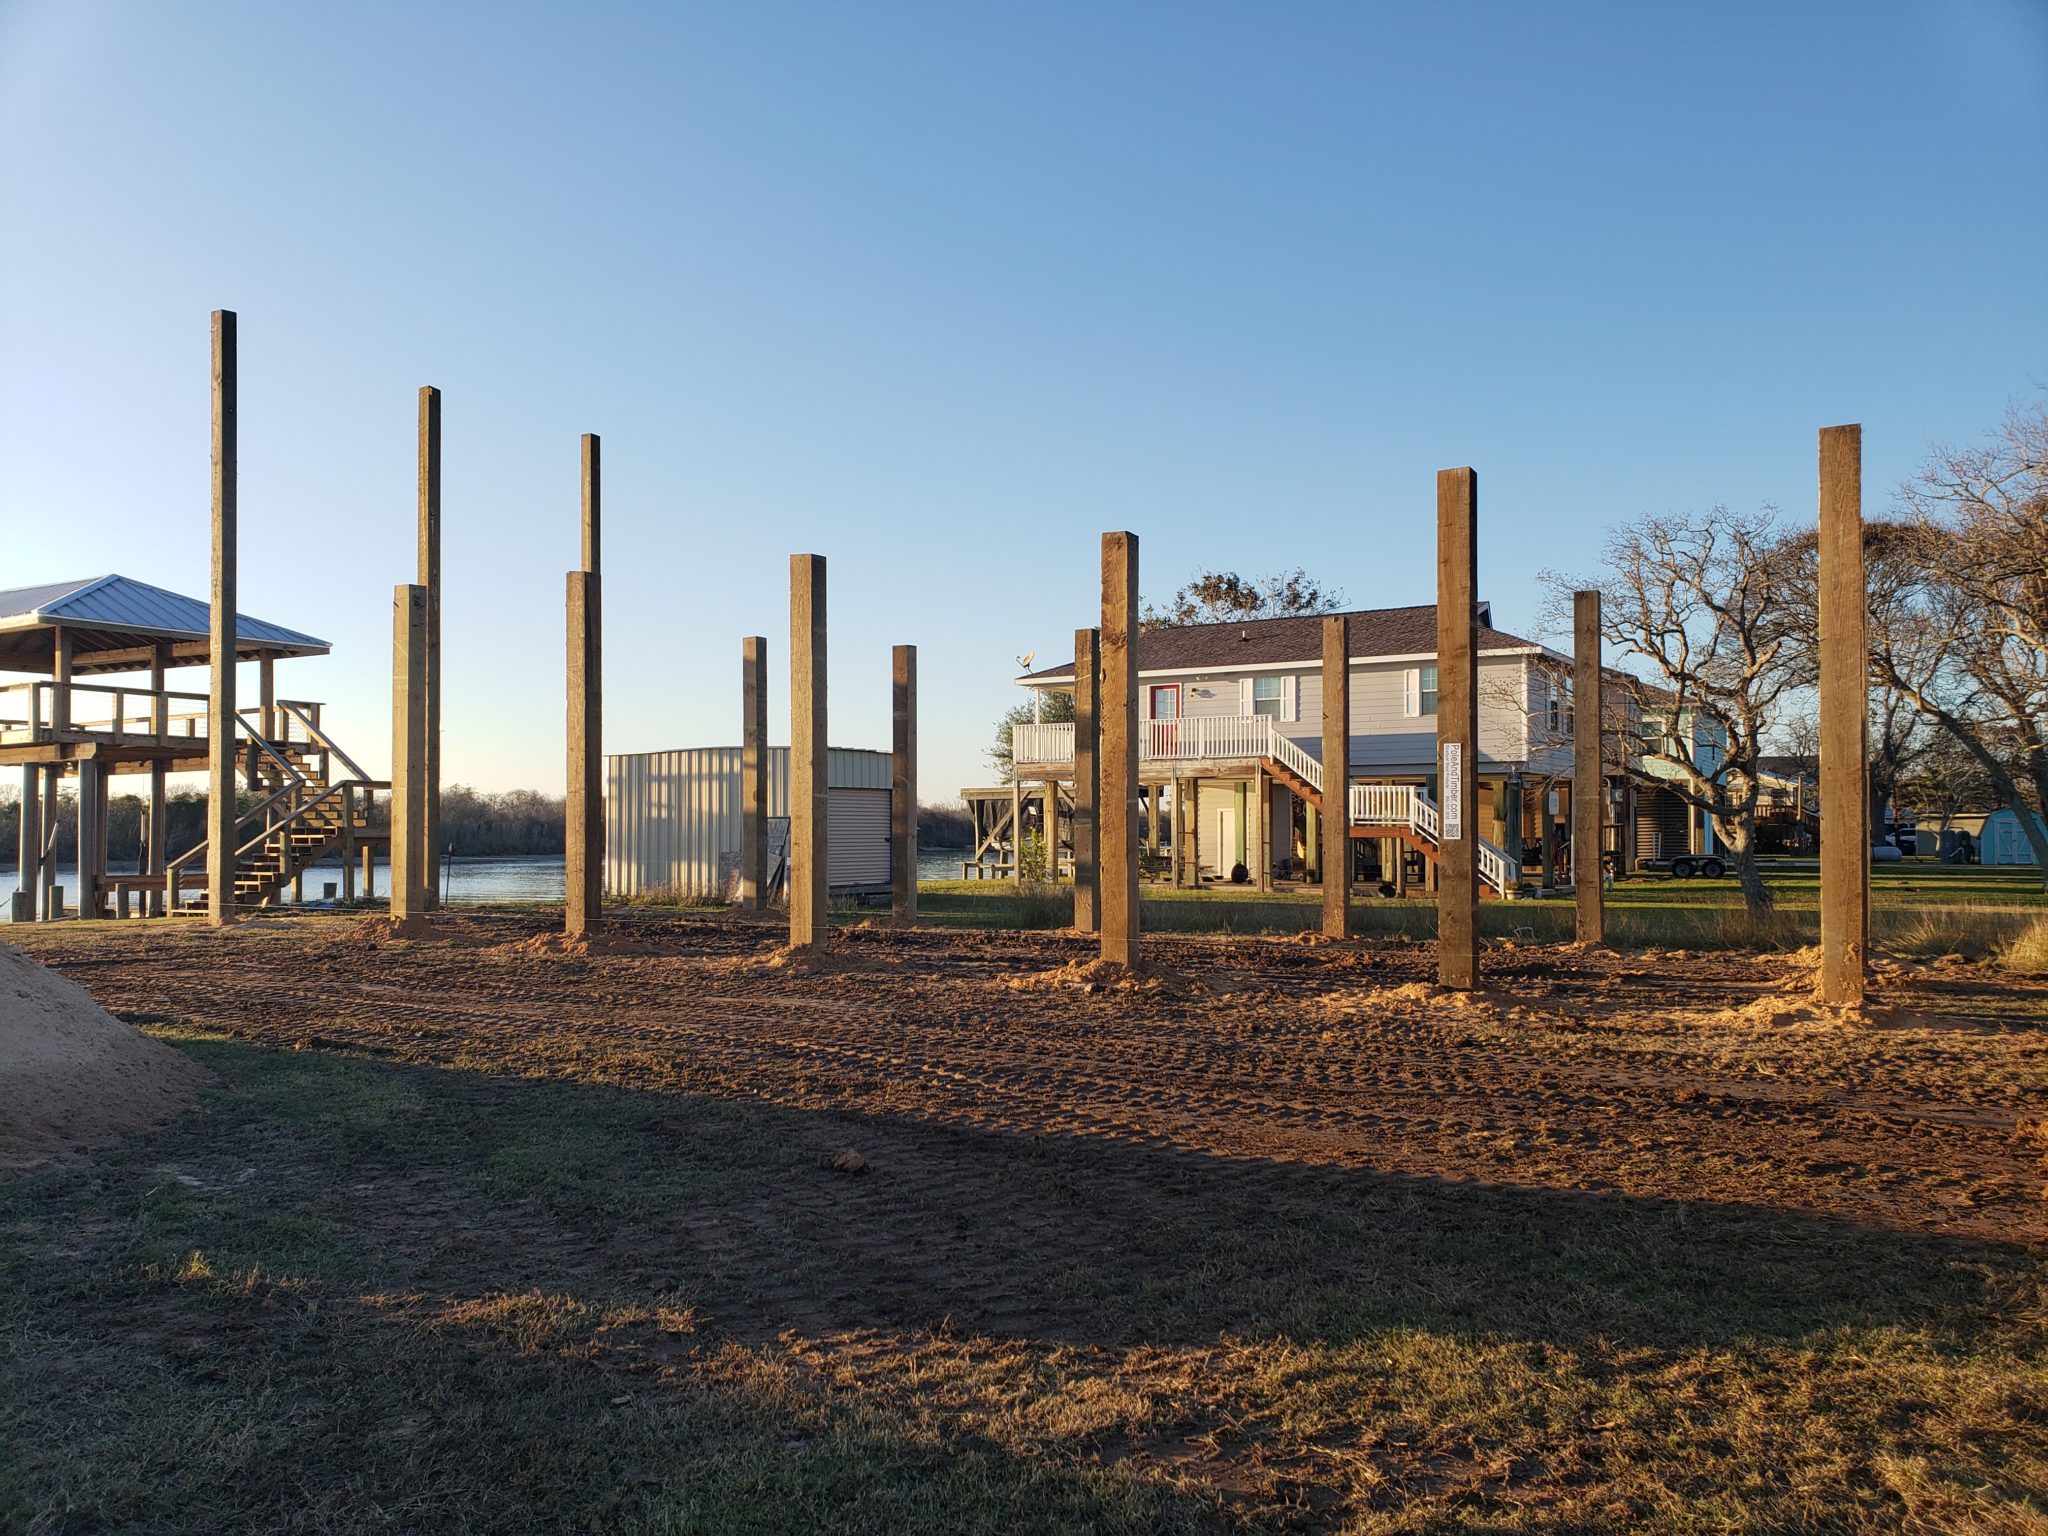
pixel 472 823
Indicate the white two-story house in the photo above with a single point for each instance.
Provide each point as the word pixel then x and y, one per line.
pixel 1231 744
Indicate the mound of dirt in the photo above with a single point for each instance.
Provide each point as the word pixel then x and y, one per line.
pixel 71 1073
pixel 1108 976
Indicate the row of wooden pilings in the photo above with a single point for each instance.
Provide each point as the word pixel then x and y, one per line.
pixel 1106 798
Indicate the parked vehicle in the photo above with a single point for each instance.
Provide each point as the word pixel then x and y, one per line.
pixel 1711 866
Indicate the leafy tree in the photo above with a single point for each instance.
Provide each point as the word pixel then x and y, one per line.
pixel 1217 597
pixel 1052 709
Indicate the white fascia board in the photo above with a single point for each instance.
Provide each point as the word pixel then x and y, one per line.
pixel 1308 664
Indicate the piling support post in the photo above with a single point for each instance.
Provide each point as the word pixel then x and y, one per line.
pixel 1589 779
pixel 583 866
pixel 430 578
pixel 753 891
pixel 1088 782
pixel 29 848
pixel 408 749
pixel 220 704
pixel 809 781
pixel 1457 727
pixel 1116 805
pixel 903 783
pixel 1844 722
pixel 1336 810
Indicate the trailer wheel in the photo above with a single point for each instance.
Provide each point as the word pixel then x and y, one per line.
pixel 1713 869
pixel 1681 869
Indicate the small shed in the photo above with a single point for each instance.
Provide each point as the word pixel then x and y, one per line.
pixel 672 821
pixel 2004 840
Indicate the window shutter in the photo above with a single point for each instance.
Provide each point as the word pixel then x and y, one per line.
pixel 1244 696
pixel 1290 697
pixel 1411 692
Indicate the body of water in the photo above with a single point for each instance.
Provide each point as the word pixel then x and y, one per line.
pixel 511 877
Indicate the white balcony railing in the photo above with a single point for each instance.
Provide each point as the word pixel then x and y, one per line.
pixel 1209 738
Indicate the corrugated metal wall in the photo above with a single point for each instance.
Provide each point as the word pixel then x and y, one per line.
pixel 672 819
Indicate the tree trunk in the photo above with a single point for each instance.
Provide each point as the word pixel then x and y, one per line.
pixel 1739 833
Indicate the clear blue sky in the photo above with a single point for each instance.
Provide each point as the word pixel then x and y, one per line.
pixel 944 291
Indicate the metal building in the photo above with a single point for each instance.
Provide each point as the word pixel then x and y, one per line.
pixel 672 822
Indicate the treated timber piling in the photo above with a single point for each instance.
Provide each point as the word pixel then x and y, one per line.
pixel 754 772
pixel 1844 722
pixel 220 702
pixel 1087 782
pixel 1335 822
pixel 1457 727
pixel 809 792
pixel 409 852
pixel 903 783
pixel 29 848
pixel 430 578
pixel 157 855
pixel 1117 795
pixel 583 864
pixel 1589 787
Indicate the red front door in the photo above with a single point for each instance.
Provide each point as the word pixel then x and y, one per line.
pixel 1164 705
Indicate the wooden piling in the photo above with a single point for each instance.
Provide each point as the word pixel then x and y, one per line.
pixel 583 864
pixel 753 891
pixel 430 578
pixel 1117 708
pixel 809 774
pixel 29 849
pixel 1335 822
pixel 220 706
pixel 903 783
pixel 1457 727
pixel 1589 779
pixel 1844 722
pixel 408 750
pixel 1088 782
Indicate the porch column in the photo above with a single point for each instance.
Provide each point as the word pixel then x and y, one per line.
pixel 1195 833
pixel 220 707
pixel 1335 863
pixel 60 677
pixel 266 693
pixel 1173 843
pixel 1262 785
pixel 1457 572
pixel 1844 722
pixel 1589 780
pixel 52 803
pixel 1016 825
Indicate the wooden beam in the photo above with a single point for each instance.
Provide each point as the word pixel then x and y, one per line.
pixel 1589 779
pixel 754 772
pixel 29 848
pixel 903 784
pixel 409 854
pixel 583 862
pixel 809 778
pixel 1457 727
pixel 1117 795
pixel 1844 722
pixel 430 578
pixel 1088 781
pixel 220 707
pixel 1335 822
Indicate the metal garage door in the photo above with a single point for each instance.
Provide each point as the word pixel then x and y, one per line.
pixel 857 839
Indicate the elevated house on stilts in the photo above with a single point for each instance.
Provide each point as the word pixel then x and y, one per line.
pixel 98 654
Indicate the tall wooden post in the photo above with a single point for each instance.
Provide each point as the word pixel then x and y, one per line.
pixel 92 834
pixel 220 655
pixel 1844 722
pixel 1116 805
pixel 1335 822
pixel 1457 727
pixel 430 578
pixel 408 749
pixel 1589 778
pixel 1088 782
pixel 157 853
pixel 583 865
pixel 903 784
pixel 754 772
pixel 29 848
pixel 809 779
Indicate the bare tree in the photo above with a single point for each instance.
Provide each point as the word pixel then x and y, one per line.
pixel 1970 650
pixel 1217 597
pixel 1696 612
pixel 1945 781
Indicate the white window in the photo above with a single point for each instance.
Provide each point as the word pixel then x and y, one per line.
pixel 1418 691
pixel 1290 697
pixel 1266 696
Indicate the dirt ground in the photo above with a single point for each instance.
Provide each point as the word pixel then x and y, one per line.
pixel 977 1139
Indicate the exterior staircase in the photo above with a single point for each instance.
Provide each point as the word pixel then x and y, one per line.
pixel 307 811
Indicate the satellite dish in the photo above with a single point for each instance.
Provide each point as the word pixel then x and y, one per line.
pixel 1025 660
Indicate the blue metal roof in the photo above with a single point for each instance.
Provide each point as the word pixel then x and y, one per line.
pixel 122 604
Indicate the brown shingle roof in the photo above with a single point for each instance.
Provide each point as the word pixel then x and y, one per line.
pixel 1277 642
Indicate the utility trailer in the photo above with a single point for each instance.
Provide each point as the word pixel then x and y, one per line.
pixel 1711 866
